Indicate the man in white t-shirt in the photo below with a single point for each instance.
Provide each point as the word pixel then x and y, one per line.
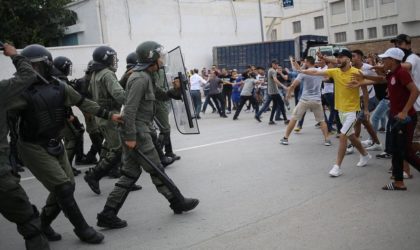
pixel 411 62
pixel 196 82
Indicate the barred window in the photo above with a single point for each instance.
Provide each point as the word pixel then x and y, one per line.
pixel 338 8
pixel 359 34
pixel 372 33
pixel 340 37
pixel 296 27
pixel 390 30
pixel 319 22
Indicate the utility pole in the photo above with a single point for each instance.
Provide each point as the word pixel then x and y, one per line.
pixel 261 21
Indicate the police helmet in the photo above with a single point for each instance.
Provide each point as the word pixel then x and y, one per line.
pixel 37 53
pixel 63 64
pixel 131 60
pixel 148 53
pixel 106 56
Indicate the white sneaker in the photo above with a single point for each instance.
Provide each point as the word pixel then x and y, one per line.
pixel 375 147
pixel 335 171
pixel 367 143
pixel 364 160
pixel 349 149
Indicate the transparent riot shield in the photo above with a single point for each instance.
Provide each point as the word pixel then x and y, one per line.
pixel 183 110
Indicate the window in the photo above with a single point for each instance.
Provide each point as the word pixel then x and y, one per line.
pixel 338 8
pixel 319 22
pixel 296 27
pixel 372 33
pixel 387 1
pixel 274 35
pixel 355 5
pixel 70 39
pixel 340 37
pixel 369 3
pixel 359 34
pixel 390 30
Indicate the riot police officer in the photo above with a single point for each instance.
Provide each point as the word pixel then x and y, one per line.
pixel 138 115
pixel 14 203
pixel 131 62
pixel 74 129
pixel 42 118
pixel 107 91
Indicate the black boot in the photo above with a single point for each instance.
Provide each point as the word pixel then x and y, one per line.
pixel 166 161
pixel 168 149
pixel 108 219
pixel 92 181
pixel 65 198
pixel 32 233
pixel 48 214
pixel 179 206
pixel 76 171
pixel 89 159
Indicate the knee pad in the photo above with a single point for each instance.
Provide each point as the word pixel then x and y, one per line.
pixel 64 190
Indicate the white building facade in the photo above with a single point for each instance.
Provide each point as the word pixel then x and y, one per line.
pixel 346 21
pixel 196 25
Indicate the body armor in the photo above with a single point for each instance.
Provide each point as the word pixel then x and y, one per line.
pixel 45 116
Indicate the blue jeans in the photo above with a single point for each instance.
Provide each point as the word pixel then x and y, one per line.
pixel 196 99
pixel 380 113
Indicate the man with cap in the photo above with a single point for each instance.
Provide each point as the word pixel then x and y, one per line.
pixel 347 102
pixel 402 95
pixel 411 62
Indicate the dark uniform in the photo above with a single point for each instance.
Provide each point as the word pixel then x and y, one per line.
pixel 14 203
pixel 42 111
pixel 138 115
pixel 107 92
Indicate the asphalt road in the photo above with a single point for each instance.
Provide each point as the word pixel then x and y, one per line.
pixel 254 194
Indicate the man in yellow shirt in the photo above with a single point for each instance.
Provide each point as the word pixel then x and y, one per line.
pixel 347 102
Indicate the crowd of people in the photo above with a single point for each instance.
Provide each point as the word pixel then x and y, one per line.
pixel 37 101
pixel 379 92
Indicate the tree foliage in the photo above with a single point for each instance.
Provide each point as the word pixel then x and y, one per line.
pixel 24 22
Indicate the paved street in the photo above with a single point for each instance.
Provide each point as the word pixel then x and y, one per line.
pixel 254 194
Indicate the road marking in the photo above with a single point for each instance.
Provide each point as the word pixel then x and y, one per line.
pixel 226 141
pixel 194 147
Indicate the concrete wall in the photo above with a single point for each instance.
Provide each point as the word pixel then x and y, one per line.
pixel 80 55
pixel 196 26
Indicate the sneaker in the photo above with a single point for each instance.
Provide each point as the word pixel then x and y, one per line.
pixel 375 147
pixel 382 130
pixel 298 129
pixel 228 112
pixel 364 160
pixel 327 143
pixel 350 149
pixel 367 143
pixel 271 123
pixel 318 125
pixel 335 171
pixel 257 118
pixel 278 119
pixel 384 155
pixel 284 141
pixel 286 122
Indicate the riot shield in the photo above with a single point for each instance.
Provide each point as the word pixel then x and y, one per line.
pixel 183 110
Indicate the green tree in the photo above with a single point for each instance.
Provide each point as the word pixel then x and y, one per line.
pixel 24 22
